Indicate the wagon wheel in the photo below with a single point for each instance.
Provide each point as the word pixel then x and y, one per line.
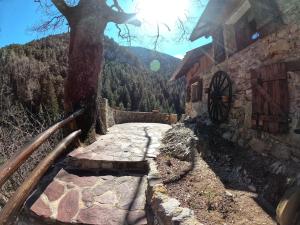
pixel 219 97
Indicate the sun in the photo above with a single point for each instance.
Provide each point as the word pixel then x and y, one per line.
pixel 165 12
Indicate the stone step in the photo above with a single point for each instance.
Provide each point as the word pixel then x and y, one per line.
pixel 87 162
pixel 70 198
pixel 125 147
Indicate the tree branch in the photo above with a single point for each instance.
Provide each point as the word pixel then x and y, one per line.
pixel 53 23
pixel 124 18
pixel 62 7
pixel 181 27
pixel 157 36
pixel 117 6
pixel 120 17
pixel 125 35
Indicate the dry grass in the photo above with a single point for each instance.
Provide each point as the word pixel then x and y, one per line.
pixel 17 127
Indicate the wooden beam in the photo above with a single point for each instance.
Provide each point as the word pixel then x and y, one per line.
pixel 11 209
pixel 9 167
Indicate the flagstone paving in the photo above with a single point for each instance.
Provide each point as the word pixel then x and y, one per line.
pixel 125 142
pixel 126 146
pixel 93 199
pixel 73 197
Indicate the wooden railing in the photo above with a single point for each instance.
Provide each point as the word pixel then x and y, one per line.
pixel 10 210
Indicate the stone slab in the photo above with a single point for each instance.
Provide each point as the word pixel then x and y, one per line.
pixel 109 200
pixel 126 145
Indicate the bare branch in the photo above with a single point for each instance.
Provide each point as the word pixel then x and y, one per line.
pixel 51 24
pixel 55 18
pixel 157 36
pixel 62 7
pixel 123 18
pixel 117 6
pixel 118 16
pixel 182 28
pixel 167 26
pixel 125 35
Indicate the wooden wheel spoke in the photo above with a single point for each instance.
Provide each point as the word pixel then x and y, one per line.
pixel 224 88
pixel 215 84
pixel 221 110
pixel 221 83
pixel 214 111
pixel 220 86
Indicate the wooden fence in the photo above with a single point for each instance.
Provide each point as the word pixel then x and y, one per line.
pixel 12 207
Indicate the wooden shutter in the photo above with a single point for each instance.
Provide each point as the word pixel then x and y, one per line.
pixel 270 102
pixel 196 90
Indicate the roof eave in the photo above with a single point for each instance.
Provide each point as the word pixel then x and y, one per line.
pixel 220 10
pixel 199 32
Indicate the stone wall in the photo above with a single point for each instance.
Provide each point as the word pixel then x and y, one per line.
pixel 282 46
pixel 289 10
pixel 163 209
pixel 143 117
pixel 111 116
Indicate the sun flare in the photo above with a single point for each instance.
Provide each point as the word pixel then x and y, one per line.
pixel 165 12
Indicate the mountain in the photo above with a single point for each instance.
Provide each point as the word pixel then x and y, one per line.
pixel 31 93
pixel 32 75
pixel 146 57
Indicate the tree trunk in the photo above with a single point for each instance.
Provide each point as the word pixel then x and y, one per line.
pixel 85 65
pixel 87 21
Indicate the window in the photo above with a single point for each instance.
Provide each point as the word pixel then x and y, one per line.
pixel 261 19
pixel 196 91
pixel 254 33
pixel 246 32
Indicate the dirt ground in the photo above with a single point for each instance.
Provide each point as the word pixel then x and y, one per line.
pixel 224 184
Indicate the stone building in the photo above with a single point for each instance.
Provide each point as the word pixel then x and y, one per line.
pixel 248 79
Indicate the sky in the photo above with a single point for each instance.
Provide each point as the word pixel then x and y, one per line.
pixel 17 17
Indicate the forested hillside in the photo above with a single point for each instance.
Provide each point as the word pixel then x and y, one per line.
pixel 31 92
pixel 33 75
pixel 146 57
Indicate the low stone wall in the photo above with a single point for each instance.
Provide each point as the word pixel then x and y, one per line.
pixel 110 116
pixel 164 209
pixel 144 117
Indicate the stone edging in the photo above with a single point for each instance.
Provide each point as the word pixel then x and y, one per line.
pixel 165 210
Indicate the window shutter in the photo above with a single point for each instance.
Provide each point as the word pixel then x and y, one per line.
pixel 270 102
pixel 196 90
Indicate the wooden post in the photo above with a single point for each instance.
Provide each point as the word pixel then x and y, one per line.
pixel 11 209
pixel 9 167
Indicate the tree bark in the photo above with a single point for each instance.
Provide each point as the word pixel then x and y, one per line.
pixel 87 22
pixel 85 65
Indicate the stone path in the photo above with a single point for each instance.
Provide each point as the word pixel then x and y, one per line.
pixel 113 197
pixel 125 147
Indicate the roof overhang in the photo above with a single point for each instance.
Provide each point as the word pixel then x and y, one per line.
pixel 189 60
pixel 215 14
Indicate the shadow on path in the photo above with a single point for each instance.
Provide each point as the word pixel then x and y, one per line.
pixel 138 188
